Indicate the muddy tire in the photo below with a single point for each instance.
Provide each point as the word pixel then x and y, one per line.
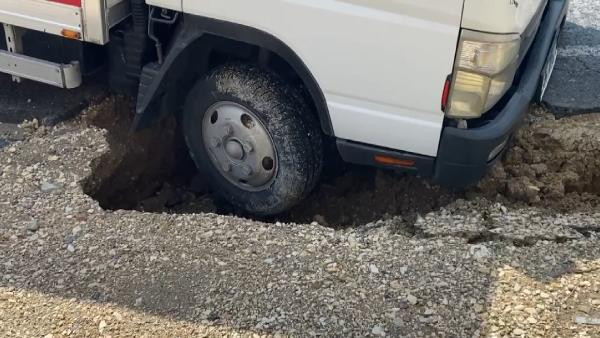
pixel 254 138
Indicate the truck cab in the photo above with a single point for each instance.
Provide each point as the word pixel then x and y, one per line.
pixel 261 88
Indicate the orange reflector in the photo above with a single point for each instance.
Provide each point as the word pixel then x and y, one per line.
pixel 388 160
pixel 69 34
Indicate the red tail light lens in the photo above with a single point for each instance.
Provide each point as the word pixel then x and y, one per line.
pixel 446 93
pixel 68 2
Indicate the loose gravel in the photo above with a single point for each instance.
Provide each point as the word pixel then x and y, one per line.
pixel 473 264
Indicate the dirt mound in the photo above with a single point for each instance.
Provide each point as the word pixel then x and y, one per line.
pixel 553 163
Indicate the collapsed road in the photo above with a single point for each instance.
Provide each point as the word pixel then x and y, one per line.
pixel 101 237
pixel 517 255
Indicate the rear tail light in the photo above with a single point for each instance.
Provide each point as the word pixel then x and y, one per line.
pixel 446 93
pixel 68 2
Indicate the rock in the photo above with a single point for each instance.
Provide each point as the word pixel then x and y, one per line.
pixel 70 248
pixel 138 302
pixel 428 312
pixel 373 269
pixel 412 300
pixel 76 230
pixel 320 219
pixel 518 332
pixel 426 319
pixel 33 225
pixel 378 330
pixel 332 267
pixel 102 326
pixel 48 187
pixel 480 252
pixel 521 189
pixel 587 320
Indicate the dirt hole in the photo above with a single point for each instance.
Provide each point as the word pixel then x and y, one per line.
pixel 151 171
pixel 554 164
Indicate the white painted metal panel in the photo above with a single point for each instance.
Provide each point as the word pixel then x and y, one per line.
pixel 59 75
pixel 93 20
pixel 500 16
pixel 99 16
pixel 170 4
pixel 381 63
pixel 41 15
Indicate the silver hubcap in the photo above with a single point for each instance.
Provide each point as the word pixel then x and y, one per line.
pixel 239 145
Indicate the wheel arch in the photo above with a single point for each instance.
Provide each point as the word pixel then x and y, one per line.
pixel 193 42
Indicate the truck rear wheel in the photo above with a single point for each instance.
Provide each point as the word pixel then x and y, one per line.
pixel 254 138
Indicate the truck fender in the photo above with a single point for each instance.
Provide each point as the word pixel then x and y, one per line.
pixel 157 80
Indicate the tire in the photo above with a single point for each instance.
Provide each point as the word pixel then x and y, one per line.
pixel 286 136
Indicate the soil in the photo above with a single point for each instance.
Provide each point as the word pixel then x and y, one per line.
pixel 72 266
pixel 552 164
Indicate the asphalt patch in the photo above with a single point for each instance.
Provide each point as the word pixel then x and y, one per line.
pixel 49 105
pixel 573 88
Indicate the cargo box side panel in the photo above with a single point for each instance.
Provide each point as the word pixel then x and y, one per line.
pixel 41 15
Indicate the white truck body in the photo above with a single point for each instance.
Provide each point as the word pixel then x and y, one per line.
pixel 92 19
pixel 493 16
pixel 383 91
pixel 381 64
pixel 379 90
pixel 435 87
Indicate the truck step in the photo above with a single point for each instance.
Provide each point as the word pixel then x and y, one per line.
pixel 55 74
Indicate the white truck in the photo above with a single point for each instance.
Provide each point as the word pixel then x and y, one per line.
pixel 434 87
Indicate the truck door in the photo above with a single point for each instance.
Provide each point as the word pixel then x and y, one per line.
pixel 381 64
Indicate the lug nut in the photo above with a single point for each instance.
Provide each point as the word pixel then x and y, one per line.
pixel 228 130
pixel 226 167
pixel 248 147
pixel 216 142
pixel 246 170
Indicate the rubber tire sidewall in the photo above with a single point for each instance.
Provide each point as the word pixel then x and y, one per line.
pixel 280 113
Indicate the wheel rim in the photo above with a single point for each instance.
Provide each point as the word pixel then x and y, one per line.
pixel 239 146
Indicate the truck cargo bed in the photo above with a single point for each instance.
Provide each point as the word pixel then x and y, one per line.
pixel 86 20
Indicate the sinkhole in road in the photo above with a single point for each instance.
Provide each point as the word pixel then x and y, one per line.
pixel 553 164
pixel 151 171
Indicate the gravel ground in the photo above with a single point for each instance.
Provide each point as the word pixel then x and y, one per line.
pixel 369 254
pixel 480 265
